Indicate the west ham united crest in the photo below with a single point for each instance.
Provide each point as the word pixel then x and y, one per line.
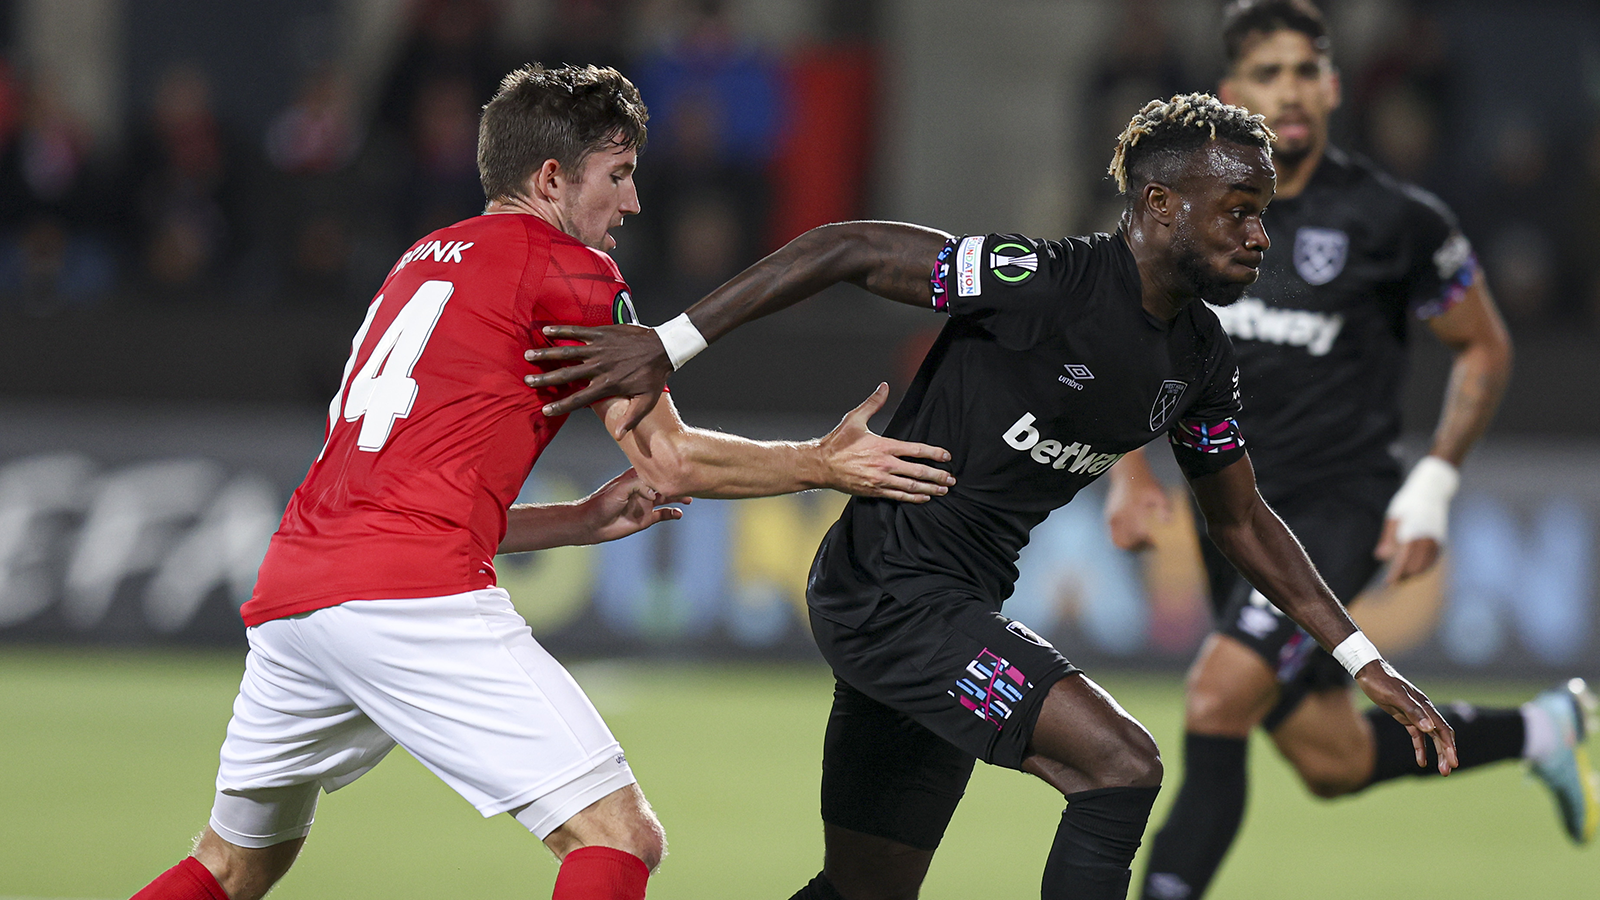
pixel 1166 402
pixel 1319 254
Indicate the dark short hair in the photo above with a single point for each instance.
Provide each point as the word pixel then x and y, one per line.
pixel 1243 18
pixel 1159 139
pixel 563 114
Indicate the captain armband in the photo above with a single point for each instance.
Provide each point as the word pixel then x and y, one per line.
pixel 681 339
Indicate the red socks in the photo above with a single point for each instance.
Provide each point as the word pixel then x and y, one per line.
pixel 600 873
pixel 188 880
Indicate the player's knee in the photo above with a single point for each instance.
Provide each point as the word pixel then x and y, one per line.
pixel 1211 708
pixel 1328 779
pixel 649 840
pixel 1133 760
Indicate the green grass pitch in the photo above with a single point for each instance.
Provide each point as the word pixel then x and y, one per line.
pixel 106 762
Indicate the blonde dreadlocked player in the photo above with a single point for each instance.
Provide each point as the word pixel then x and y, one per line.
pixel 1059 357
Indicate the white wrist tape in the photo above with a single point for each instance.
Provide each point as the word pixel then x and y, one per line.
pixel 681 339
pixel 1354 652
pixel 1422 505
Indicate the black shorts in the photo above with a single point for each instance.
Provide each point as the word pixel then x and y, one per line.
pixel 1339 523
pixel 923 690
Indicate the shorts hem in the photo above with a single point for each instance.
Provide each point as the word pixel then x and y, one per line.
pixel 258 841
pixel 549 785
pixel 579 802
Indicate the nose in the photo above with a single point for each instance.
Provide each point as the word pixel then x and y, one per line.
pixel 1255 236
pixel 630 199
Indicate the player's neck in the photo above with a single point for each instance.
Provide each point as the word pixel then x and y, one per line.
pixel 1294 175
pixel 537 206
pixel 1160 293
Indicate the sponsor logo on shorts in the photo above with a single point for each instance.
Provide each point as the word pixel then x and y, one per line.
pixel 1077 458
pixel 1026 633
pixel 991 687
pixel 967 259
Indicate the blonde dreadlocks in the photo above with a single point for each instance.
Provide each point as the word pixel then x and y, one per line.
pixel 1156 143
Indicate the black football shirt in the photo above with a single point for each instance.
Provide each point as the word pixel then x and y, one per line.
pixel 1047 372
pixel 1321 336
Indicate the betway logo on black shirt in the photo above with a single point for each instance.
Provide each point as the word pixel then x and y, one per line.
pixel 1076 458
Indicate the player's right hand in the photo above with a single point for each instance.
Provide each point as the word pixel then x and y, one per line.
pixel 617 361
pixel 1134 505
pixel 1401 699
pixel 869 465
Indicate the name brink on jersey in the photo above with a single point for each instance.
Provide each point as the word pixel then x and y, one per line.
pixel 1250 319
pixel 449 251
pixel 1076 458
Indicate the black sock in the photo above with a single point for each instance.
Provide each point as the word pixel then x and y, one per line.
pixel 1202 822
pixel 819 888
pixel 1482 736
pixel 1095 843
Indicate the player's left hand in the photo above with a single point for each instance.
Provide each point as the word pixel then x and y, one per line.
pixel 869 465
pixel 1405 559
pixel 1409 706
pixel 626 505
pixel 1417 519
pixel 616 360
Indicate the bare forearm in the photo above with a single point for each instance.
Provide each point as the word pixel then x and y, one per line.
pixel 890 259
pixel 721 466
pixel 540 526
pixel 1268 555
pixel 1477 382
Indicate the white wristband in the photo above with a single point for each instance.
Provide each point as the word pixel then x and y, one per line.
pixel 1421 508
pixel 681 339
pixel 1354 652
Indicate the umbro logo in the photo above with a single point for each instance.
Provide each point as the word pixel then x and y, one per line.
pixel 1075 375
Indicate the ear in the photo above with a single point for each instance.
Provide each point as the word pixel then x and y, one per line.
pixel 1159 202
pixel 548 181
pixel 1337 90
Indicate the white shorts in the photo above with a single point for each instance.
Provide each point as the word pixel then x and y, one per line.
pixel 458 681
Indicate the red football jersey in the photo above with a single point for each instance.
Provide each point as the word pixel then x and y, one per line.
pixel 433 432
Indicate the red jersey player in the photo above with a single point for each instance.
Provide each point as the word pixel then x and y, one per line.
pixel 375 618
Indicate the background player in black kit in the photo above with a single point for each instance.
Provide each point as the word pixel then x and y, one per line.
pixel 1059 357
pixel 1321 346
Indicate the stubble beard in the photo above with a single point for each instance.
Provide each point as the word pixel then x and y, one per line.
pixel 1202 281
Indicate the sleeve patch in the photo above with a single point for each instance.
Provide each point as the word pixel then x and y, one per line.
pixel 1456 281
pixel 969 259
pixel 1207 437
pixel 622 311
pixel 940 279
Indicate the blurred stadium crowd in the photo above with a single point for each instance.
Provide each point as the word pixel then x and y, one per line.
pixel 188 199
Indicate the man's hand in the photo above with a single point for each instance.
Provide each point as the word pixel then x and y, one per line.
pixel 1417 518
pixel 1405 559
pixel 869 465
pixel 616 360
pixel 1135 502
pixel 626 505
pixel 1411 708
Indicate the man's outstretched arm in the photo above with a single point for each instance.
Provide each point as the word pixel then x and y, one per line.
pixel 1261 547
pixel 891 259
pixel 679 461
pixel 622 506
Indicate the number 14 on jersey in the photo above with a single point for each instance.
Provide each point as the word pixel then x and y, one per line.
pixel 383 391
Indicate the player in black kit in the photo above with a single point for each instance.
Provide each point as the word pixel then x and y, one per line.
pixel 1321 347
pixel 1059 357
